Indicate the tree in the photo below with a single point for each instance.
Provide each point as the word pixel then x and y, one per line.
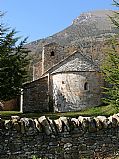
pixel 13 62
pixel 115 18
pixel 110 68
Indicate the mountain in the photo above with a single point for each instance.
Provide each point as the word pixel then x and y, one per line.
pixel 85 30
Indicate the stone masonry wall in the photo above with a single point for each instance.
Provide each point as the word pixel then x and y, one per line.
pixel 51 55
pixel 37 70
pixel 74 91
pixel 35 96
pixel 63 138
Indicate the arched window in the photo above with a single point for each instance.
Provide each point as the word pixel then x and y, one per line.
pixel 52 53
pixel 86 86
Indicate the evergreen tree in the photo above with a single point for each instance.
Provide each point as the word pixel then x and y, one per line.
pixel 13 62
pixel 110 67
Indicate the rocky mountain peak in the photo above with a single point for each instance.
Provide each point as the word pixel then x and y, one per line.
pixel 92 15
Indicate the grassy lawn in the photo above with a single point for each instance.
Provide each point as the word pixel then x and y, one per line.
pixel 94 111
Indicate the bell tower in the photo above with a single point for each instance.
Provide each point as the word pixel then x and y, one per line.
pixel 52 54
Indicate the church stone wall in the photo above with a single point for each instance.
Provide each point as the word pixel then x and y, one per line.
pixel 73 91
pixel 51 55
pixel 35 96
pixel 37 70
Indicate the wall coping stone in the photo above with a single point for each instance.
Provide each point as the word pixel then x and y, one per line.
pixel 63 124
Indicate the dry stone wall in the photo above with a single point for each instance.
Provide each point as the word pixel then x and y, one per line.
pixel 63 138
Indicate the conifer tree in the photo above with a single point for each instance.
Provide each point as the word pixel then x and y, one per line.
pixel 110 67
pixel 13 62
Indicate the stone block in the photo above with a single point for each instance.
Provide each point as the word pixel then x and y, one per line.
pixel 65 123
pixel 8 124
pixel 117 118
pixel 84 122
pixel 113 121
pixel 45 124
pixel 99 125
pixel 104 121
pixel 52 125
pixel 38 125
pixel 58 124
pixel 75 122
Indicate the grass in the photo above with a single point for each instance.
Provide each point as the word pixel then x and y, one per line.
pixel 94 111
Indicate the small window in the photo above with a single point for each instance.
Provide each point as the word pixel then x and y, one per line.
pixel 86 86
pixel 63 82
pixel 52 53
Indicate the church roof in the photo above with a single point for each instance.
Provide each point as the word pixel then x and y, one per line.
pixel 75 62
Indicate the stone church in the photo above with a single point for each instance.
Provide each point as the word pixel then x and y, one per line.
pixel 66 74
pixel 63 82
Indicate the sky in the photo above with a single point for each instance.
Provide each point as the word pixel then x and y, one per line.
pixel 37 19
